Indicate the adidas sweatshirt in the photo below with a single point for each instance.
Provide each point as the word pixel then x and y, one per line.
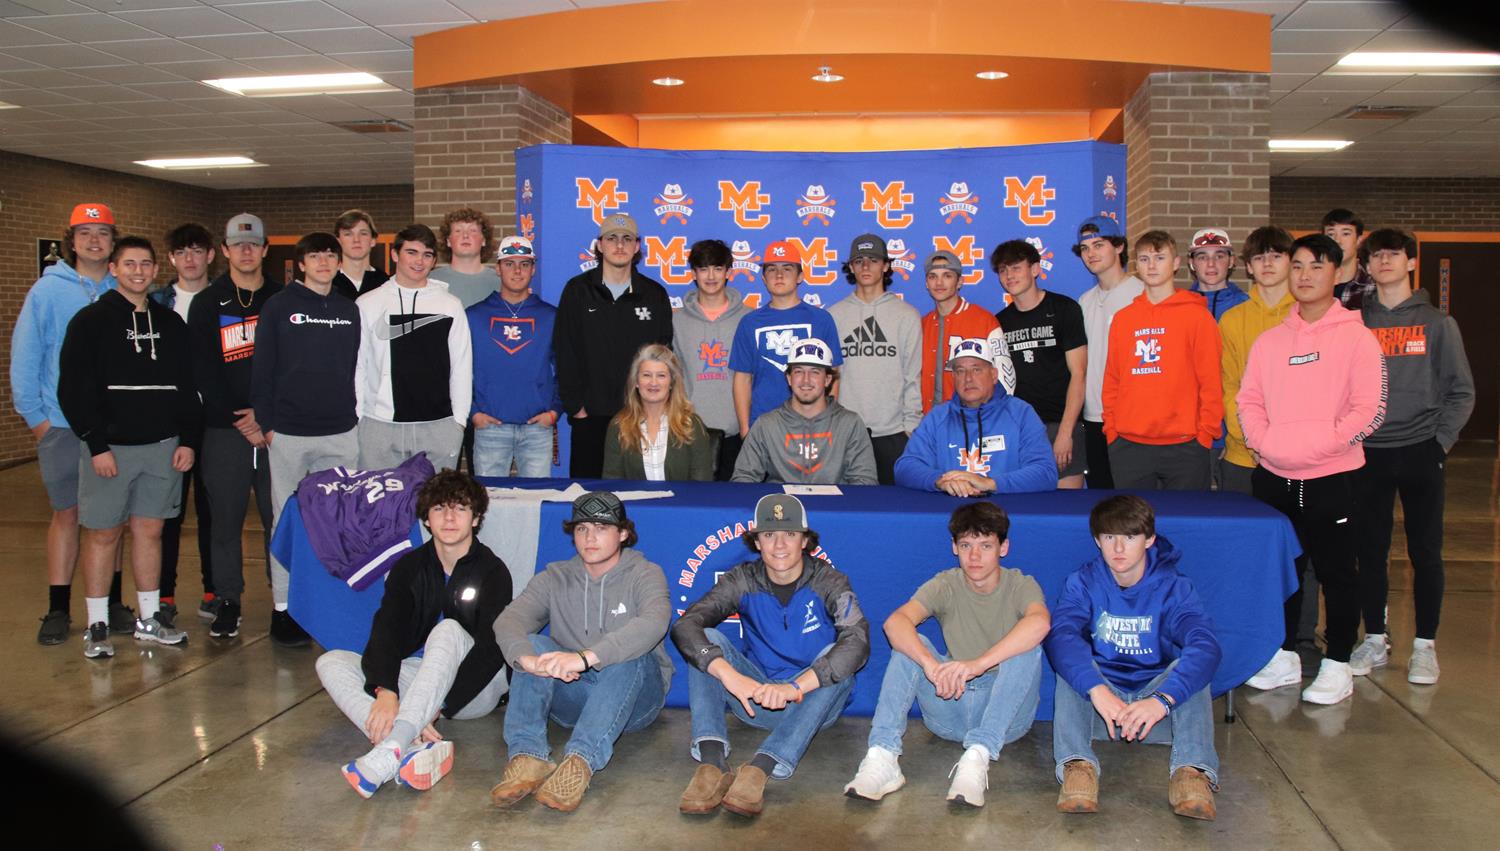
pixel 881 380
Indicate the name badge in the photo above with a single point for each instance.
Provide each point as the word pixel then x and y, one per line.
pixel 994 443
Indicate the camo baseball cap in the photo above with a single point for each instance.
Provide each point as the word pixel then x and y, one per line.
pixel 598 507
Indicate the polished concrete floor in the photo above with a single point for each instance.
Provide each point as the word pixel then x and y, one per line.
pixel 233 744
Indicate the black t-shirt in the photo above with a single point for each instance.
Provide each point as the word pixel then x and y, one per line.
pixel 1039 340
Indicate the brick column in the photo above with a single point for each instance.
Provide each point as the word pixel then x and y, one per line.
pixel 464 145
pixel 1196 155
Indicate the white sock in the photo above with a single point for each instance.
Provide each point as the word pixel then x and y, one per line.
pixel 381 764
pixel 982 751
pixel 1379 635
pixel 149 603
pixel 280 607
pixel 98 608
pixel 1423 643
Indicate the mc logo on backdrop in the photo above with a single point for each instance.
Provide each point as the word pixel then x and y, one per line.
pixel 1030 199
pixel 746 202
pixel 967 253
pixel 887 203
pixel 601 198
pixel 817 257
pixel 668 257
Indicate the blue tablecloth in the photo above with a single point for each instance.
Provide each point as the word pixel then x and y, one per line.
pixel 1237 551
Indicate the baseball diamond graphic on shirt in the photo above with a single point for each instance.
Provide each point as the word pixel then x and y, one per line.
pixel 867 340
pixel 512 334
pixel 778 339
pixel 807 451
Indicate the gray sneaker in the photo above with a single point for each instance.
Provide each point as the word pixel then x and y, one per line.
pixel 96 641
pixel 1423 668
pixel 1372 653
pixel 152 629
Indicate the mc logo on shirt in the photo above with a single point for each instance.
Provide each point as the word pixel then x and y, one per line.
pixel 512 335
pixel 775 341
pixel 806 452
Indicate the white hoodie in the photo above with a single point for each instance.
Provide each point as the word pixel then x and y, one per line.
pixel 414 364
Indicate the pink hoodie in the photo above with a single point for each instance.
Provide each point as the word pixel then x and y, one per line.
pixel 1312 393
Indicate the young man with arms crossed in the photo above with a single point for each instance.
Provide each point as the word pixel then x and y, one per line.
pixel 1268 256
pixel 602 670
pixel 465 236
pixel 515 378
pixel 441 599
pixel 1432 399
pixel 1354 283
pixel 952 319
pixel 882 337
pixel 702 337
pixel 125 384
pixel 1313 390
pixel 984 692
pixel 356 234
pixel 1162 396
pixel 1049 349
pixel 805 638
pixel 1101 247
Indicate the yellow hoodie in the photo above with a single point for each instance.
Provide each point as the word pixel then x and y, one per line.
pixel 1238 328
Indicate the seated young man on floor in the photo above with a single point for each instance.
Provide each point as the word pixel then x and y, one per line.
pixel 983 693
pixel 805 637
pixel 1134 653
pixel 441 599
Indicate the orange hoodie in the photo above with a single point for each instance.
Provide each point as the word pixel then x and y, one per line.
pixel 1161 379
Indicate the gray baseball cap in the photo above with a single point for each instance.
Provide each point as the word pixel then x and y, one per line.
pixel 245 228
pixel 598 507
pixel 780 512
pixel 943 260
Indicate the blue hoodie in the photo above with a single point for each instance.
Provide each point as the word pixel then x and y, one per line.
pixel 36 343
pixel 1014 449
pixel 1133 633
pixel 1219 301
pixel 515 375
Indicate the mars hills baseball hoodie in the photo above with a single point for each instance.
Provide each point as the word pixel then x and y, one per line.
pixel 1161 379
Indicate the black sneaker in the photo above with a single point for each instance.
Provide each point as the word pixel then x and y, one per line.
pixel 227 622
pixel 166 615
pixel 287 632
pixel 121 619
pixel 54 628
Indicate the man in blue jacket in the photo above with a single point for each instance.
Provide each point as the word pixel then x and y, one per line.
pixel 1134 654
pixel 516 403
pixel 995 443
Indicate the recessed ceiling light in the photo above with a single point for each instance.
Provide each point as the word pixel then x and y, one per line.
pixel 825 75
pixel 1308 146
pixel 667 81
pixel 992 75
pixel 4 105
pixel 303 84
pixel 200 162
pixel 1365 59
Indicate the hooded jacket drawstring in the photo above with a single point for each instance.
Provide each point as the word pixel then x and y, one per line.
pixel 135 332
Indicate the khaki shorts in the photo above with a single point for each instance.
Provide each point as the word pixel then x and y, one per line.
pixel 146 486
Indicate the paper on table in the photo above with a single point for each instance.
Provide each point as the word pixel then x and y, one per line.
pixel 572 492
pixel 812 490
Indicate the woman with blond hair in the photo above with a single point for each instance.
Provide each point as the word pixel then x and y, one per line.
pixel 656 436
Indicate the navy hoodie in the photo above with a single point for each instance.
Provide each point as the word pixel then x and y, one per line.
pixel 302 378
pixel 222 323
pixel 1133 633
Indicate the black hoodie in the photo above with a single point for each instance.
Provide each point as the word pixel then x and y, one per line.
pixel 596 337
pixel 305 352
pixel 125 376
pixel 221 322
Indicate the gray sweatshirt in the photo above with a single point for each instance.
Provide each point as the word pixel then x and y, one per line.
pixel 622 615
pixel 702 346
pixel 1431 388
pixel 832 448
pixel 880 380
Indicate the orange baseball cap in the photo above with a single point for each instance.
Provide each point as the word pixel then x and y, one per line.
pixel 782 251
pixel 91 214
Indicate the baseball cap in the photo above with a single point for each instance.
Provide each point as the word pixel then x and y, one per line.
pixel 780 512
pixel 618 223
pixel 245 228
pixel 1211 238
pixel 1102 226
pixel 515 246
pixel 782 251
pixel 868 245
pixel 91 214
pixel 810 352
pixel 943 260
pixel 598 507
pixel 970 347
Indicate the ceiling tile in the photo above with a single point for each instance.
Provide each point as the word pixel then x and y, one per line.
pixel 153 50
pixel 375 63
pixel 495 10
pixel 401 12
pixel 407 32
pixel 195 21
pixel 1353 82
pixel 65 56
pixel 208 69
pixel 45 78
pixel 350 40
pixel 302 14
pixel 130 74
pixel 1319 41
pixel 37 97
pixel 1344 14
pixel 88 28
pixel 1303 63
pixel 134 5
pixel 15 63
pixel 248 45
pixel 1442 83
pixel 15 35
pixel 1404 40
pixel 308 64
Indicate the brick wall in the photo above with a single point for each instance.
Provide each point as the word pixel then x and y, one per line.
pixel 1413 203
pixel 289 212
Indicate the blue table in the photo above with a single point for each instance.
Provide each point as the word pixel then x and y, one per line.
pixel 1238 552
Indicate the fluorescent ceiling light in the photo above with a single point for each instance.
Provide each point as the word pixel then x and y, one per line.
pixel 992 75
pixel 1308 146
pixel 200 162
pixel 667 81
pixel 303 84
pixel 1366 59
pixel 4 105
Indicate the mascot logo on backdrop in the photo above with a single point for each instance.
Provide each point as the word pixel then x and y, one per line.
pixel 966 251
pixel 1110 190
pixel 601 198
pixel 746 201
pixel 816 258
pixel 672 204
pixel 959 202
pixel 722 548
pixel 512 334
pixel 744 261
pixel 887 203
pixel 526 193
pixel 1030 200
pixel 903 261
pixel 587 258
pixel 668 257
pixel 528 226
pixel 815 204
pixel 1046 264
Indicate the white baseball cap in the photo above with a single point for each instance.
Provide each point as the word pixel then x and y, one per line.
pixel 810 352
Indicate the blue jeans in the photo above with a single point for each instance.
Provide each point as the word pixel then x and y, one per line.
pixel 598 706
pixel 792 729
pixel 1189 727
pixel 529 445
pixel 995 709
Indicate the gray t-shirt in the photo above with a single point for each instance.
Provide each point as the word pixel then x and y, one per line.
pixel 973 623
pixel 468 289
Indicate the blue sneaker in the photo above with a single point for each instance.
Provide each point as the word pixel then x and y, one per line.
pixel 426 765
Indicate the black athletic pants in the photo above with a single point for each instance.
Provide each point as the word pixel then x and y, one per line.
pixel 1416 473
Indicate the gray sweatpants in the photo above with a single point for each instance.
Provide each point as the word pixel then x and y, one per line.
pixel 230 468
pixel 383 445
pixel 292 457
pixel 1183 466
pixel 423 682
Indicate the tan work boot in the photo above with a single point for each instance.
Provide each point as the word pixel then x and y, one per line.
pixel 522 775
pixel 748 791
pixel 1080 788
pixel 563 791
pixel 1191 794
pixel 706 790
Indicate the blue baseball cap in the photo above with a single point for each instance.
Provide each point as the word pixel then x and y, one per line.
pixel 1102 226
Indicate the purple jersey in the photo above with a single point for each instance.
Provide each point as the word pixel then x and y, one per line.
pixel 359 521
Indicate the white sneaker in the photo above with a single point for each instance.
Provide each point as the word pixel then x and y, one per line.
pixel 879 775
pixel 1372 653
pixel 1284 669
pixel 1334 684
pixel 1423 667
pixel 971 776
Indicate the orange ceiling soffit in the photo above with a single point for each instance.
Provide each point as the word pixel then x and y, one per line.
pixel 620 129
pixel 1107 125
pixel 886 133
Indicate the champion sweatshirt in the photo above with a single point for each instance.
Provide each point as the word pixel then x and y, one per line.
pixel 415 364
pixel 1161 376
pixel 302 379
pixel 1003 439
pixel 881 343
pixel 1312 393
pixel 703 346
pixel 515 374
pixel 1239 327
pixel 126 377
pixel 832 448
pixel 222 322
pixel 36 342
pixel 1431 390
